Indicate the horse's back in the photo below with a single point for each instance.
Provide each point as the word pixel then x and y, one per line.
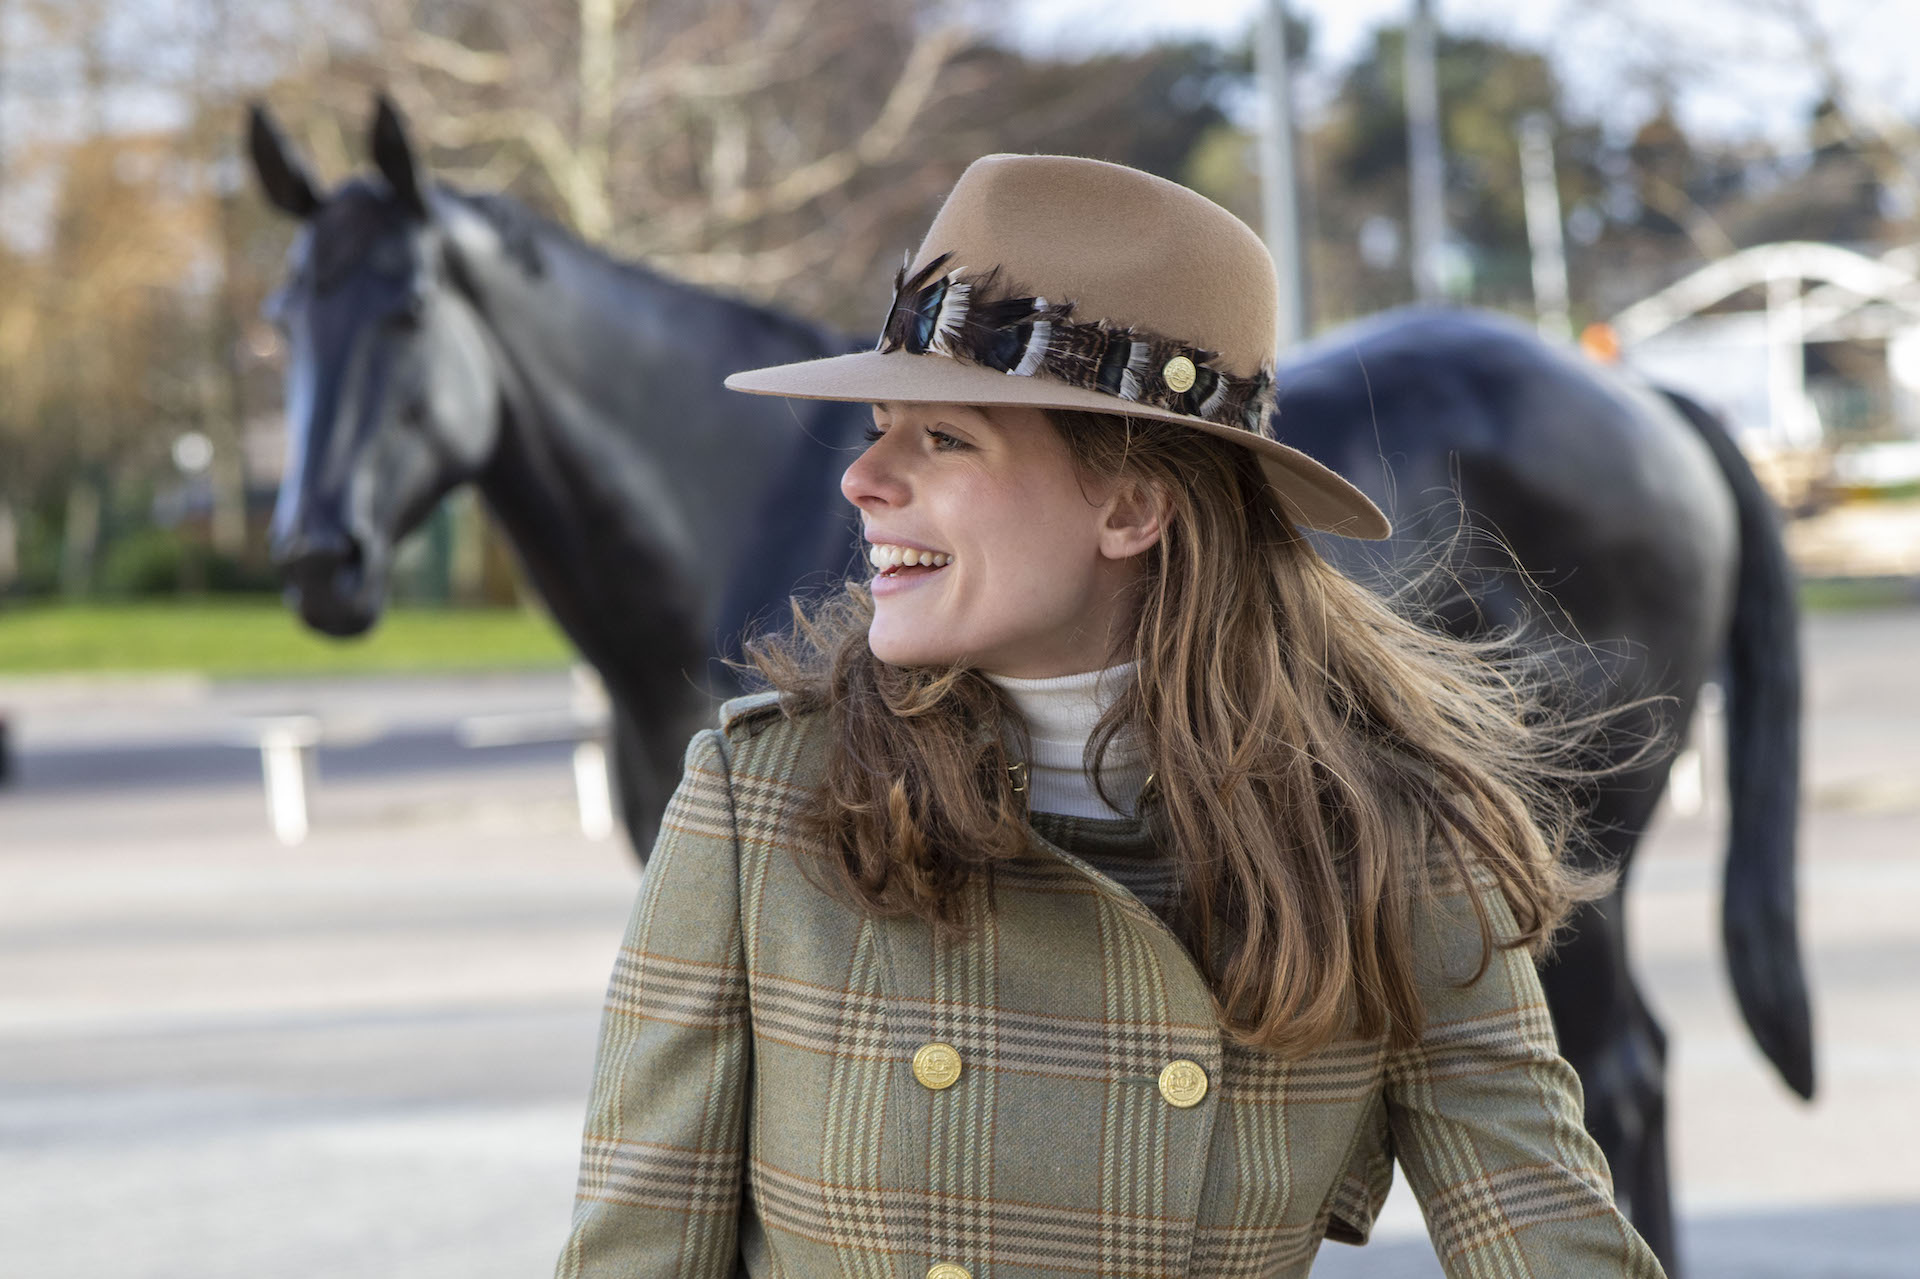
pixel 1605 498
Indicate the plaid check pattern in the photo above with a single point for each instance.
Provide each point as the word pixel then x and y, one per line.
pixel 754 1108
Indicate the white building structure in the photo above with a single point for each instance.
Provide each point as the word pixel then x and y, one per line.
pixel 1750 363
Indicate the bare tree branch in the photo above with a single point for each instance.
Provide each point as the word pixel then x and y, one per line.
pixel 773 59
pixel 536 132
pixel 1708 236
pixel 451 58
pixel 1891 144
pixel 879 143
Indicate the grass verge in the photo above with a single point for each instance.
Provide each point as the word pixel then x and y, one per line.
pixel 241 635
pixel 260 636
pixel 1849 594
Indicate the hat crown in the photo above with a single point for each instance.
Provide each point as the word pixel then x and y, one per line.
pixel 1125 247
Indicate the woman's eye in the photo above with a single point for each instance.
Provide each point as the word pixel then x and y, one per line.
pixel 942 441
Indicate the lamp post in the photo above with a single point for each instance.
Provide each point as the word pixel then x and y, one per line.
pixel 1426 180
pixel 1540 191
pixel 1279 188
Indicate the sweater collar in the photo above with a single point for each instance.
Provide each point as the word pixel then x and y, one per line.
pixel 1060 714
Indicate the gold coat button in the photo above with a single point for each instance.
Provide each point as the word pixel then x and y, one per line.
pixel 947 1270
pixel 937 1066
pixel 1178 373
pixel 1183 1083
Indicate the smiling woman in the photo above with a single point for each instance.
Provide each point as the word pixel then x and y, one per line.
pixel 1109 885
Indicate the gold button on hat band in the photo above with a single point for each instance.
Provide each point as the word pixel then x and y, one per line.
pixel 1178 373
pixel 1183 1083
pixel 947 1270
pixel 937 1066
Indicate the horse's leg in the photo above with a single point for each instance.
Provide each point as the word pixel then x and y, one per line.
pixel 1611 1039
pixel 1609 1034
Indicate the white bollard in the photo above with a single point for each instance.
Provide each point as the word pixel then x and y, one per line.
pixel 1698 773
pixel 287 766
pixel 592 760
pixel 587 723
pixel 594 789
pixel 1687 783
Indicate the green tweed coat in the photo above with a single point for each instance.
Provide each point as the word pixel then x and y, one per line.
pixel 757 1107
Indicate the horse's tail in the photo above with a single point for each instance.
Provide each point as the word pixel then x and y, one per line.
pixel 1758 909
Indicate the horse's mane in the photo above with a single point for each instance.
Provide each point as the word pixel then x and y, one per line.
pixel 520 229
pixel 527 237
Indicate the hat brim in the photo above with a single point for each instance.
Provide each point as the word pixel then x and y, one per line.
pixel 1310 493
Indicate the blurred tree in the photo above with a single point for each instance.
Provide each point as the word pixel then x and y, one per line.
pixel 1670 178
pixel 116 315
pixel 698 137
pixel 784 149
pixel 1354 169
pixel 1886 141
pixel 1838 194
pixel 748 144
pixel 89 398
pixel 1865 186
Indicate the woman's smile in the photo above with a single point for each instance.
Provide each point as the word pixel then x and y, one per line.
pixel 899 567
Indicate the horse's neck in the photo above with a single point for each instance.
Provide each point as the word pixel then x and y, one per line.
pixel 612 583
pixel 600 531
pixel 624 473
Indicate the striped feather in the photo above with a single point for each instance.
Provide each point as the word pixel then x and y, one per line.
pixel 1133 377
pixel 1038 344
pixel 952 317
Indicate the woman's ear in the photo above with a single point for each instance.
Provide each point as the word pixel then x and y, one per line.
pixel 1136 517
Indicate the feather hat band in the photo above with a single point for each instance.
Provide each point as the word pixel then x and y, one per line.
pixel 1065 283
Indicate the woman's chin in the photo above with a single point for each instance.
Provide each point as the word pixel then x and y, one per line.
pixel 909 646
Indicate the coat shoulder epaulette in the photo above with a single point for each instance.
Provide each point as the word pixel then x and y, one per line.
pixel 764 737
pixel 748 716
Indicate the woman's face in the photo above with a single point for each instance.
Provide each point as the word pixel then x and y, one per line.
pixel 1029 561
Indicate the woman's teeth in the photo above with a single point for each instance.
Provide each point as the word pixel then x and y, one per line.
pixel 883 556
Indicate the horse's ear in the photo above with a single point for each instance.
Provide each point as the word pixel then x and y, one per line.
pixel 393 156
pixel 282 175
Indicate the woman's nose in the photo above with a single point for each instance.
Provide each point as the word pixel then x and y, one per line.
pixel 873 479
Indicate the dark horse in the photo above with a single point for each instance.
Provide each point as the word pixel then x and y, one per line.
pixel 440 338
pixel 1633 512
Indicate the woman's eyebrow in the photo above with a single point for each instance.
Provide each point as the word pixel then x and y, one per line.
pixel 972 432
pixel 975 422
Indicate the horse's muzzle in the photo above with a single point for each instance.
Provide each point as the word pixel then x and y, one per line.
pixel 330 580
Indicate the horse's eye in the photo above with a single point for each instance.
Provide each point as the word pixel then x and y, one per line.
pixel 411 312
pixel 390 257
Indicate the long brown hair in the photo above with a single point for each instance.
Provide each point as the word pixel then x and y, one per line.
pixel 1319 756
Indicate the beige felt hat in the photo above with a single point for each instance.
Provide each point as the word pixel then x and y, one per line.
pixel 1063 283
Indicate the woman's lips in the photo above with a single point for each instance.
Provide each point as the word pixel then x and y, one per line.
pixel 891 581
pixel 900 566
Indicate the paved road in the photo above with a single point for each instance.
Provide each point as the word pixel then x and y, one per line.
pixel 89 735
pixel 368 1055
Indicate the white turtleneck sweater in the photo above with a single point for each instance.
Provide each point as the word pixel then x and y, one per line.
pixel 1061 713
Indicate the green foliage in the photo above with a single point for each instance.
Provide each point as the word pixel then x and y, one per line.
pixel 38 549
pixel 1486 88
pixel 148 561
pixel 145 562
pixel 239 636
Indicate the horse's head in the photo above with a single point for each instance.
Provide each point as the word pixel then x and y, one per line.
pixel 391 391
